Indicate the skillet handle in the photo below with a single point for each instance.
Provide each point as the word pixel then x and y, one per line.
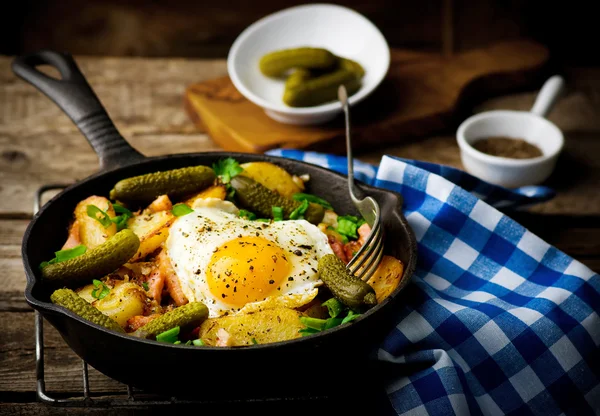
pixel 76 98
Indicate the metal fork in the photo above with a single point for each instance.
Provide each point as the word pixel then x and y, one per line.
pixel 365 262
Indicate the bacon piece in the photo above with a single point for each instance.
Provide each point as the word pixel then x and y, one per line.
pixel 171 279
pixel 363 233
pixel 138 321
pixel 350 249
pixel 73 240
pixel 337 247
pixel 156 282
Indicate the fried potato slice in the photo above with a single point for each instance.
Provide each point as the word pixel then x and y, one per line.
pixel 271 176
pixel 91 232
pixel 215 191
pixel 152 230
pixel 387 277
pixel 122 302
pixel 266 326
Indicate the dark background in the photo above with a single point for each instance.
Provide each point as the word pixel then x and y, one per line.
pixel 206 29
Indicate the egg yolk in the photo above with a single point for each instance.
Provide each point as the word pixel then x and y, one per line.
pixel 247 269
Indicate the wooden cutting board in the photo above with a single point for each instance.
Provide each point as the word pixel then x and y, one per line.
pixel 422 94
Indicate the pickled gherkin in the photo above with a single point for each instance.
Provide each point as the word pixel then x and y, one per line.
pixel 73 302
pixel 95 263
pixel 345 287
pixel 261 200
pixel 297 77
pixel 352 66
pixel 316 91
pixel 277 63
pixel 175 183
pixel 189 315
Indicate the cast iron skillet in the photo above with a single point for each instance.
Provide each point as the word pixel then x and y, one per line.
pixel 310 365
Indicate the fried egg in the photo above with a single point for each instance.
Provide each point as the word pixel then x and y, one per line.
pixel 234 265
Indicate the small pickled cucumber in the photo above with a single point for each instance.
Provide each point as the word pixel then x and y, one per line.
pixel 276 63
pixel 297 77
pixel 346 288
pixel 175 183
pixel 188 315
pixel 352 66
pixel 73 302
pixel 261 200
pixel 95 263
pixel 322 89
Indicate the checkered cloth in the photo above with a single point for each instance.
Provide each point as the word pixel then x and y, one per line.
pixel 495 321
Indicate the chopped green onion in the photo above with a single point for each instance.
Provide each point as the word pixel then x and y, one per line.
pixel 263 220
pixel 313 323
pixel 247 214
pixel 346 226
pixel 350 317
pixel 308 331
pixel 298 213
pixel 254 341
pixel 169 336
pixel 198 342
pixel 121 220
pixel 277 213
pixel 334 306
pixel 360 222
pixel 189 342
pixel 312 198
pixel 101 290
pixel 145 286
pixel 104 219
pixel 226 169
pixel 64 255
pixel 332 322
pixel 179 210
pixel 120 209
pixel 177 342
pixel 344 238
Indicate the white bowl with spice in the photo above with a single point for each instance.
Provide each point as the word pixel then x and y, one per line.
pixel 513 148
pixel 338 29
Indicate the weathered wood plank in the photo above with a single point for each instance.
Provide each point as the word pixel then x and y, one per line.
pixel 63 367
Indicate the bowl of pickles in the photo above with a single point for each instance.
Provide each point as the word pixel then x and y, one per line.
pixel 292 62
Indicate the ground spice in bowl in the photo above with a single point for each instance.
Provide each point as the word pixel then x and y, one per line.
pixel 509 147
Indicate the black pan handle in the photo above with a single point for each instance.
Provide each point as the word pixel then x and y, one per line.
pixel 76 98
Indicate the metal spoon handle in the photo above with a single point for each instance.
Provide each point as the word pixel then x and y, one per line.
pixel 343 97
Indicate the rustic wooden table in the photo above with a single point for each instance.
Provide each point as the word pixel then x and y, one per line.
pixel 40 145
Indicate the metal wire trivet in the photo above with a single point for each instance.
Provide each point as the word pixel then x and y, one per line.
pixel 86 400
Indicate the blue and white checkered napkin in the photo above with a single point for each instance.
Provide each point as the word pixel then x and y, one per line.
pixel 495 321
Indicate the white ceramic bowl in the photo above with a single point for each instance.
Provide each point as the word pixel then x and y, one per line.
pixel 342 31
pixel 530 126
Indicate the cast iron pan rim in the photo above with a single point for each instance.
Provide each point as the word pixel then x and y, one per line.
pixel 52 308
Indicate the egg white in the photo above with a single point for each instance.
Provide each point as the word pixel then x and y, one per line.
pixel 194 238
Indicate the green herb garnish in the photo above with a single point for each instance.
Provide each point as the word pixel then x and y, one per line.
pixel 247 214
pixel 101 216
pixel 350 317
pixel 198 342
pixel 312 198
pixel 348 224
pixel 121 220
pixel 313 323
pixel 334 306
pixel 298 213
pixel 308 331
pixel 179 210
pixel 169 336
pixel 145 286
pixel 226 169
pixel 64 255
pixel 101 290
pixel 263 220
pixel 254 341
pixel 277 213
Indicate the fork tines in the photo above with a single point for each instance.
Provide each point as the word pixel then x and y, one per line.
pixel 365 262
